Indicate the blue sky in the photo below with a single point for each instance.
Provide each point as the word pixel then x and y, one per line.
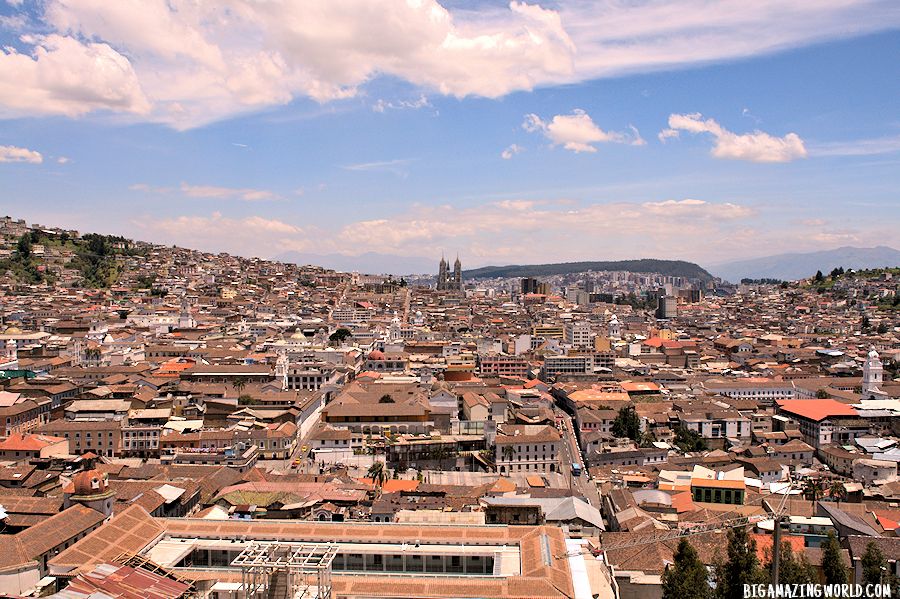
pixel 508 134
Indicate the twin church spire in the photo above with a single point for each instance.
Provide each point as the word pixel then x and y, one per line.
pixel 448 281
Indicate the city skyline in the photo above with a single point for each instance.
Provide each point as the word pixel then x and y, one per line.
pixel 571 132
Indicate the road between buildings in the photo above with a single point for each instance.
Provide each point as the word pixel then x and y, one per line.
pixel 581 486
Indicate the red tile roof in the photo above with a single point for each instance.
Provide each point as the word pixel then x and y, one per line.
pixel 25 442
pixel 816 409
pixel 639 386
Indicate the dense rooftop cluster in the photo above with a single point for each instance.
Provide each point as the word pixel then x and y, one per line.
pixel 171 419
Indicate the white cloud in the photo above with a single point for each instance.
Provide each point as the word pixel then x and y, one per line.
pixel 626 37
pixel 384 105
pixel 64 76
pixel 511 151
pixel 528 231
pixel 249 236
pixel 635 139
pixel 247 194
pixel 542 228
pixel 63 160
pixel 757 146
pixel 701 208
pixel 200 61
pixel 745 112
pixel 667 134
pixel 14 154
pixel 144 187
pixel 214 191
pixel 516 205
pixel 13 22
pixel 857 147
pixel 520 228
pixel 189 62
pixel 397 167
pixel 578 132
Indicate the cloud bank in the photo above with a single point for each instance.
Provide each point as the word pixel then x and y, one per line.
pixel 190 62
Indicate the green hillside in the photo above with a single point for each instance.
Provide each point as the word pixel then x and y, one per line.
pixel 674 268
pixel 92 255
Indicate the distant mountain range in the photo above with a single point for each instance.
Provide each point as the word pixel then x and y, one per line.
pixel 369 263
pixel 791 267
pixel 675 268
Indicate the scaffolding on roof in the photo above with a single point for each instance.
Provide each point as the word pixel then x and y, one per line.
pixel 286 570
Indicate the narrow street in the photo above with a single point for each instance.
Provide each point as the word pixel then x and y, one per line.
pixel 582 486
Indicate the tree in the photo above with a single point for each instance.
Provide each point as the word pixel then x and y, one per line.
pixel 238 384
pixel 687 577
pixel 832 561
pixel 247 400
pixel 508 452
pixel 440 453
pixel 377 473
pixel 865 323
pixel 822 394
pixel 340 335
pixel 882 328
pixel 741 568
pixel 647 439
pixel 688 440
pixel 386 398
pixel 627 424
pixel 873 564
pixel 793 569
pixel 813 489
pixel 145 281
pixel 24 247
pixel 838 491
pixel 819 276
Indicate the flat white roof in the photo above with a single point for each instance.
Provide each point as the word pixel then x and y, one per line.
pixel 507 558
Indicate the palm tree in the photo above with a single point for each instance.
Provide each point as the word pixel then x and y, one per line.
pixel 838 491
pixel 508 452
pixel 377 473
pixel 813 489
pixel 441 453
pixel 238 385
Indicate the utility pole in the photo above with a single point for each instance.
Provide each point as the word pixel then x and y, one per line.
pixel 776 549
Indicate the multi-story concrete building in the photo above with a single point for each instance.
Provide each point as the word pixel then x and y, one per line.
pixel 503 365
pixel 19 414
pixel 579 334
pixel 764 391
pixel 527 448
pixel 561 365
pixel 102 437
pixel 824 421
